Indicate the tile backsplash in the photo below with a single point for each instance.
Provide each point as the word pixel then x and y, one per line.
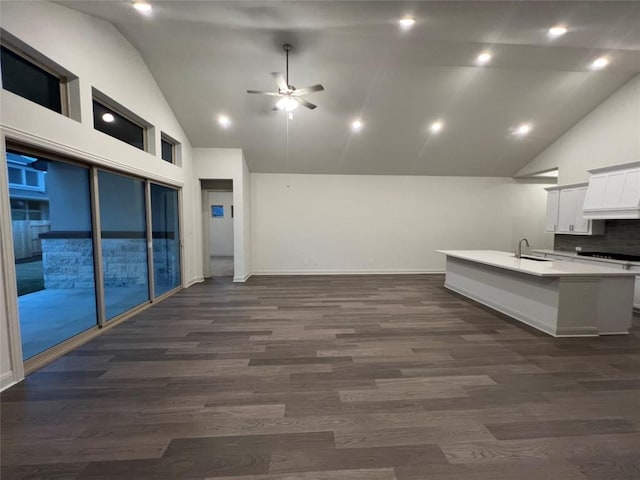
pixel 620 236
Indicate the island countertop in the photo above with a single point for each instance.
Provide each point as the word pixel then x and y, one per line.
pixel 553 268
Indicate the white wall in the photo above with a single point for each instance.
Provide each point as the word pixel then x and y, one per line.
pixel 229 164
pixel 353 223
pixel 609 135
pixel 221 228
pixel 101 57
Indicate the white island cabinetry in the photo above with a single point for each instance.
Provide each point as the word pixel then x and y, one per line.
pixel 618 264
pixel 557 297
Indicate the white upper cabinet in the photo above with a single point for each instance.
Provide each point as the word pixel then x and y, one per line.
pixel 614 192
pixel 551 223
pixel 581 225
pixel 564 212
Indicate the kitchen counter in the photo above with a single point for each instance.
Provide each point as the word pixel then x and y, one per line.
pixel 508 261
pixel 564 253
pixel 557 297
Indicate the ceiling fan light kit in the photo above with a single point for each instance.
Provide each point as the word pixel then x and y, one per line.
pixel 290 96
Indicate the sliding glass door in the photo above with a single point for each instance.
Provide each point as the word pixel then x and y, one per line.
pixel 89 245
pixel 53 249
pixel 166 238
pixel 123 232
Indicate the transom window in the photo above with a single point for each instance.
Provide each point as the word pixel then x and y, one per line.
pixel 167 151
pixel 110 121
pixel 28 80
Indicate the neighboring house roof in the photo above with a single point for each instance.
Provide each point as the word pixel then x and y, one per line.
pixel 20 159
pixel 22 194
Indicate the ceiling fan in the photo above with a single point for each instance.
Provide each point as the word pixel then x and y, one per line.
pixel 290 96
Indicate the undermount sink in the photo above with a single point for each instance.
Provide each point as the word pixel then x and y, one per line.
pixel 535 259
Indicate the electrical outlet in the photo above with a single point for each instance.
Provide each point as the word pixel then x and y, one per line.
pixel 578 249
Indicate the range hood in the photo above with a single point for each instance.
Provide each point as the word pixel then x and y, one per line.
pixel 614 192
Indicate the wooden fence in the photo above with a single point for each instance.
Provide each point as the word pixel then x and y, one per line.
pixel 26 237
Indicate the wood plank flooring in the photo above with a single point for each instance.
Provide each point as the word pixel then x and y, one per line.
pixel 317 378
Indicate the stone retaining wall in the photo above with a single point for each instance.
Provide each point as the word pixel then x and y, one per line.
pixel 68 262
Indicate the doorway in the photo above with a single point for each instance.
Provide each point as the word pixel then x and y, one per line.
pixel 218 227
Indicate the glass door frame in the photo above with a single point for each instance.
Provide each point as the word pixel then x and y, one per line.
pixel 180 286
pixel 42 358
pixel 20 367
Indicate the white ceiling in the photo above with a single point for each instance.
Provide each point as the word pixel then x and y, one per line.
pixel 205 55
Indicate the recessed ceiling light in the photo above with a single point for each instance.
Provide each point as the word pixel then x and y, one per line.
pixel 224 121
pixel 522 129
pixel 557 31
pixel 599 63
pixel 356 125
pixel 484 58
pixel 436 126
pixel 142 7
pixel 407 22
pixel 108 117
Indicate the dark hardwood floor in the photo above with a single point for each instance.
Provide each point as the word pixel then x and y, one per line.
pixel 314 378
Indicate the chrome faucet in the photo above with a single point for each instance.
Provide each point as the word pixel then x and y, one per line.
pixel 519 251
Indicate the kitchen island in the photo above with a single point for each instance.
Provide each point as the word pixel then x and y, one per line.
pixel 563 299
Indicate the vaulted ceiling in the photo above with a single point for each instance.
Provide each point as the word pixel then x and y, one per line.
pixel 205 55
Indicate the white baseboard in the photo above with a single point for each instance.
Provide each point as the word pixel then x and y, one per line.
pixel 350 272
pixel 7 380
pixel 242 279
pixel 194 280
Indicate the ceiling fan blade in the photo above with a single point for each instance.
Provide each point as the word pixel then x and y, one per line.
pixel 280 81
pixel 273 94
pixel 304 103
pixel 306 90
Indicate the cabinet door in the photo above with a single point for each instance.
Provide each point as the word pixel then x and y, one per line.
pixel 580 224
pixel 566 210
pixel 631 189
pixel 551 222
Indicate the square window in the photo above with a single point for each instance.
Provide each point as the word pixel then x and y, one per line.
pixel 18 204
pixel 217 211
pixel 15 176
pixel 18 215
pixel 31 178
